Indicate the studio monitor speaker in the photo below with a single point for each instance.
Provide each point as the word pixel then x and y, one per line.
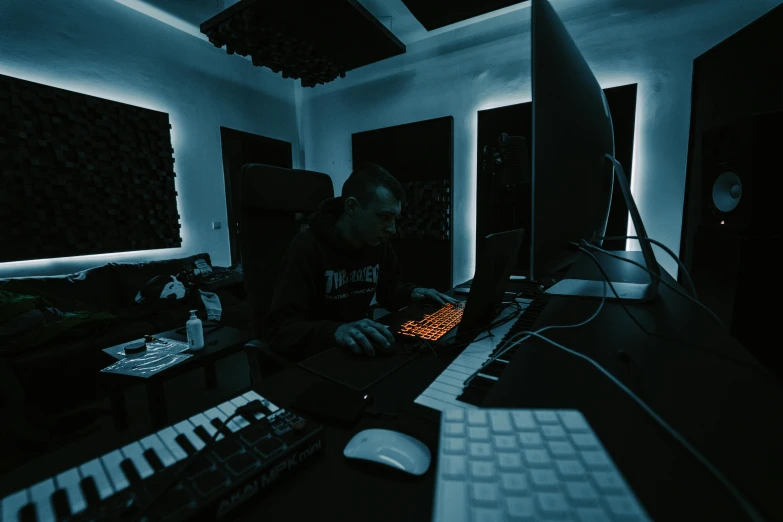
pixel 735 264
pixel 741 174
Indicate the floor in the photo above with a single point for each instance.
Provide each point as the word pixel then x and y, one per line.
pixel 185 396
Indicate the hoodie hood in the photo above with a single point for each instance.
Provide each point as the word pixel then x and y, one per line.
pixel 323 222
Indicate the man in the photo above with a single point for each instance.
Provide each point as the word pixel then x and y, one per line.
pixel 333 268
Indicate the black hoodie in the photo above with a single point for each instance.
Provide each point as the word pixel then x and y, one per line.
pixel 325 282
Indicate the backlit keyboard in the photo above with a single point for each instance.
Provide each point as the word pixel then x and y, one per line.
pixel 434 326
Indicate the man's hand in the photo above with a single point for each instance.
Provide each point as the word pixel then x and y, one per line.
pixel 422 294
pixel 360 336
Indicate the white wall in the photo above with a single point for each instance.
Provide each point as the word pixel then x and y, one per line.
pixel 107 49
pixel 487 65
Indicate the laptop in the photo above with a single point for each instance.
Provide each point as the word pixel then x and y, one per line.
pixel 499 254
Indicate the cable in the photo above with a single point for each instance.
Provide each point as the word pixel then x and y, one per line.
pixel 514 340
pixel 660 278
pixel 739 497
pixel 668 251
pixel 746 505
pixel 247 410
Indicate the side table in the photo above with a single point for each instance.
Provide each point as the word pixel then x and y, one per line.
pixel 219 342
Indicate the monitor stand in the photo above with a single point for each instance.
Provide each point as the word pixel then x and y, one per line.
pixel 643 292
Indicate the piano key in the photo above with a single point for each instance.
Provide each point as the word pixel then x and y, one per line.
pixel 41 497
pixel 60 504
pixel 228 408
pixel 69 481
pixel 135 453
pixel 154 442
pixel 251 395
pixel 446 388
pixel 186 428
pixel 445 397
pixel 436 404
pixel 12 504
pixel 202 420
pixel 130 471
pixel 241 401
pixel 215 414
pixel 152 457
pixel 168 436
pixel 445 379
pixel 94 469
pixel 28 513
pixel 183 442
pixel 111 463
pixel 203 434
pixel 90 491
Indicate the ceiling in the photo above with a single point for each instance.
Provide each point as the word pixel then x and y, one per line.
pixel 394 14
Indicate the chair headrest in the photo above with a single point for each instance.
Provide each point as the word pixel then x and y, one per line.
pixel 275 189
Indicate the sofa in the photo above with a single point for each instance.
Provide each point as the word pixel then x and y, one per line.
pixel 55 370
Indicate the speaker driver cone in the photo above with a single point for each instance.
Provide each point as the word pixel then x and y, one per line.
pixel 727 192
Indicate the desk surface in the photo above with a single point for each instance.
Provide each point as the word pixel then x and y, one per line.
pixel 729 410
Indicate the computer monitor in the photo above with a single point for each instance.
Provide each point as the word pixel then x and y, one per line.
pixel 573 162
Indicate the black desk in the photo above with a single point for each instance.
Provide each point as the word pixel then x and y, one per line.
pixel 731 413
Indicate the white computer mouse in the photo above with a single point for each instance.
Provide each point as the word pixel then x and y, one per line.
pixel 390 448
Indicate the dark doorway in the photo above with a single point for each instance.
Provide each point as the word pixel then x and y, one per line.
pixel 498 210
pixel 240 148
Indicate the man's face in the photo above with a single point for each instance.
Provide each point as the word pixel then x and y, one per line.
pixel 375 222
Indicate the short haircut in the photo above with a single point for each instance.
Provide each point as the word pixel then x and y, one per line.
pixel 363 183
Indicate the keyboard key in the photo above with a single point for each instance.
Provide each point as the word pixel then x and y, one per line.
pixel 154 461
pixel 520 508
pixel 585 441
pixel 482 514
pixel 69 481
pixel 41 496
pixel 622 506
pixel 514 483
pixel 523 420
pixel 484 493
pixel 537 458
pixel 135 453
pixel 94 469
pixel 186 428
pixel 596 460
pixel 552 504
pixel 546 417
pixel 505 443
pixel 203 434
pixel 543 479
pixel 573 421
pixel 455 445
pixel 570 468
pixel 482 470
pixel 169 438
pixel 478 434
pixel 202 420
pixel 61 505
pixel 90 491
pixel 553 432
pixel 581 492
pixel 455 467
pixel 480 450
pixel 609 481
pixel 450 502
pixel 509 461
pixel 28 513
pixel 530 439
pixel 561 449
pixel 130 471
pixel 477 418
pixel 455 429
pixel 592 514
pixel 501 421
pixel 183 442
pixel 111 463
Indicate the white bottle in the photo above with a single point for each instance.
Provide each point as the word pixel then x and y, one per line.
pixel 195 332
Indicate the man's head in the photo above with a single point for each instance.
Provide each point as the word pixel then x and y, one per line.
pixel 372 199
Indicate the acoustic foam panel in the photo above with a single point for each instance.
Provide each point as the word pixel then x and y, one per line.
pixel 82 175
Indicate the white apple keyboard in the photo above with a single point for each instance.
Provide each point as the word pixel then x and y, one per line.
pixel 531 465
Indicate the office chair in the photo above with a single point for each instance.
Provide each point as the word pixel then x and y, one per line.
pixel 270 199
